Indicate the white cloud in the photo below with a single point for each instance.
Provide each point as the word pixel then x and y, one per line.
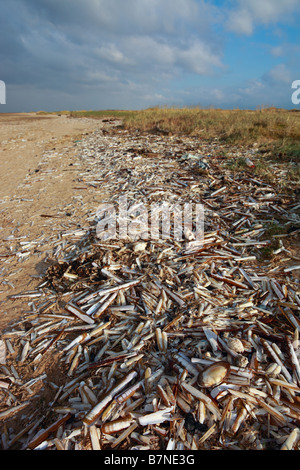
pixel 240 21
pixel 249 13
pixel 165 56
pixel 112 53
pixel 267 11
pixel 279 74
pixel 277 51
pixel 198 58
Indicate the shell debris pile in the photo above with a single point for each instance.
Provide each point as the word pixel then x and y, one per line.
pixel 163 344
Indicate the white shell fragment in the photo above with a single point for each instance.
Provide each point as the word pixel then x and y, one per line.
pixel 117 425
pixel 214 375
pixel 2 352
pixel 140 246
pixel 236 345
pixel 273 370
pixel 291 440
pixel 156 417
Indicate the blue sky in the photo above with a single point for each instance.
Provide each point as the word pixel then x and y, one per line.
pixel 133 54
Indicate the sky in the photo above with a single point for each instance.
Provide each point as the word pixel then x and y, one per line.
pixel 134 54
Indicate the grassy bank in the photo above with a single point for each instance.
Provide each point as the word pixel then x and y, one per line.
pixel 272 129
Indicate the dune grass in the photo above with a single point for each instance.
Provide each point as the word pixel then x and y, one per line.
pixel 274 132
pixel 264 127
pixel 271 129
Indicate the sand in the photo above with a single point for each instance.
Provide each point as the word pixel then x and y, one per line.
pixel 37 178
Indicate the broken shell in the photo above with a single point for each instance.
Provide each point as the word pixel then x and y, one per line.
pixel 141 246
pixel 214 374
pixel 273 370
pixel 241 361
pixel 117 425
pixel 235 344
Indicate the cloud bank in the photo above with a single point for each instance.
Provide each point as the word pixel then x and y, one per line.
pixel 73 54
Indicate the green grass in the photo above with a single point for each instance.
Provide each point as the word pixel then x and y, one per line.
pixel 288 150
pixel 273 229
